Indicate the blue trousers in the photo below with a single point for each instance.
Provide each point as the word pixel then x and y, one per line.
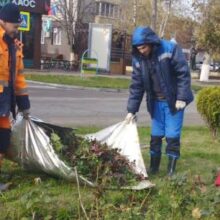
pixel 168 125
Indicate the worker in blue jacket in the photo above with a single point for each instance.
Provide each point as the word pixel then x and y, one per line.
pixel 161 70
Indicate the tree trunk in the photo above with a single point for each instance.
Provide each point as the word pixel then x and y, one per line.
pixel 134 12
pixel 154 15
pixel 165 20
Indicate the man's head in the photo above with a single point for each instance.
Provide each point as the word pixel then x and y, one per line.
pixel 143 40
pixel 10 19
pixel 145 49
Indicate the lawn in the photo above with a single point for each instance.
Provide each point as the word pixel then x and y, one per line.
pixel 88 81
pixel 190 194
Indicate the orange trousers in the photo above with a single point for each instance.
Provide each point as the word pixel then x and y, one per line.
pixel 5 122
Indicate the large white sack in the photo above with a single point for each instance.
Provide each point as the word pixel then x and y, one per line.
pixel 123 136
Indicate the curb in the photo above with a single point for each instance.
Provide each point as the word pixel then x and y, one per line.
pixel 78 87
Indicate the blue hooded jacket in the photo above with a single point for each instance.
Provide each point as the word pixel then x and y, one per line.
pixel 170 65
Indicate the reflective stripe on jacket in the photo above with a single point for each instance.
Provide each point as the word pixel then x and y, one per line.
pixel 169 64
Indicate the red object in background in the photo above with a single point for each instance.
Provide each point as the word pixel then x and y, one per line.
pixel 217 181
pixel 47 7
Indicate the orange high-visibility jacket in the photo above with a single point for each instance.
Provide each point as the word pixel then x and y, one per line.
pixel 20 86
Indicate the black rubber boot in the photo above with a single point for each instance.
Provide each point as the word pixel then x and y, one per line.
pixel 4 143
pixel 4 139
pixel 155 151
pixel 173 147
pixel 171 166
pixel 154 165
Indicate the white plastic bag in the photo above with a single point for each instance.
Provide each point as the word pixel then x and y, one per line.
pixel 31 148
pixel 123 136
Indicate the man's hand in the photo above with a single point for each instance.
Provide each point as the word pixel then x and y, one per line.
pixel 26 113
pixel 180 105
pixel 129 117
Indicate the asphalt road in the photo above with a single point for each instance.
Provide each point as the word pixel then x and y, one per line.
pixel 89 107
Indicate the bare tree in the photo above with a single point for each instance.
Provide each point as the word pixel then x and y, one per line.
pixel 154 15
pixel 72 15
pixel 134 12
pixel 163 24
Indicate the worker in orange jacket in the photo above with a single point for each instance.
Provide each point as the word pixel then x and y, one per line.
pixel 13 88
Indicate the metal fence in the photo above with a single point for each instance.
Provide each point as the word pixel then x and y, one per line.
pixel 121 47
pixel 55 64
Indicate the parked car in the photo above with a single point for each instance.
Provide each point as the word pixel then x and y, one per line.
pixel 213 66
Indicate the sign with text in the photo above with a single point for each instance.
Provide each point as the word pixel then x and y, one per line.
pixel 35 6
pixel 25 21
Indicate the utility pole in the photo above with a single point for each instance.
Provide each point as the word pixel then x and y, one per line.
pixel 154 15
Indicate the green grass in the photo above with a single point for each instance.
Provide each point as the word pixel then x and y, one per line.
pixel 172 199
pixel 89 81
pixel 196 88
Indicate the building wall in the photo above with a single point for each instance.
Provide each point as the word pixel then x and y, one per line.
pixel 89 6
pixel 91 16
pixel 53 51
pixel 107 11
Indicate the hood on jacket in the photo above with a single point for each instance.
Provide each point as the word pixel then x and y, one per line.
pixel 144 35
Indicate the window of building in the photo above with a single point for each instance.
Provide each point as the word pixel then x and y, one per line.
pixel 107 9
pixel 97 5
pixel 111 10
pixel 116 12
pixel 57 36
pixel 42 37
pixel 102 12
pixel 46 30
pixel 43 31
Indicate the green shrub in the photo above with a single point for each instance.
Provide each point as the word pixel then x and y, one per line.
pixel 208 105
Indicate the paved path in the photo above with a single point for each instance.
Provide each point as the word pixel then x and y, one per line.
pixel 75 106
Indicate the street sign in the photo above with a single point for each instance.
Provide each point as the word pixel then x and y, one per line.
pixel 25 21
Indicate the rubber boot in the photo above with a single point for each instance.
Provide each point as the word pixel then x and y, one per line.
pixel 171 166
pixel 2 185
pixel 4 143
pixel 155 152
pixel 1 160
pixel 154 165
pixel 4 139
